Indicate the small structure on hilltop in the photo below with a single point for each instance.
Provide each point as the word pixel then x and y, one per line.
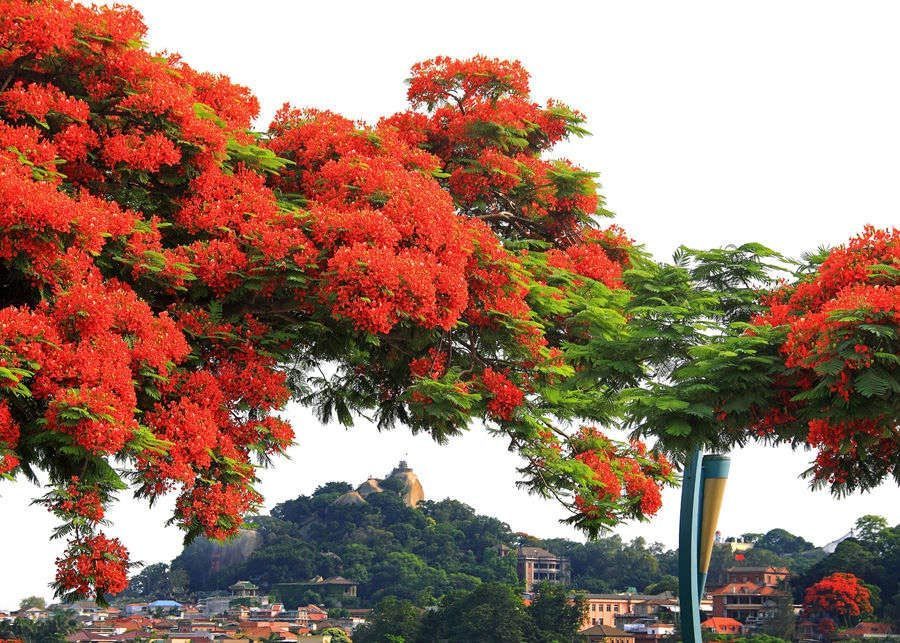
pixel 402 480
pixel 411 489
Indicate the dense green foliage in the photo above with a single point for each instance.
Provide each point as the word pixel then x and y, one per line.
pixel 388 548
pixel 53 629
pixel 491 612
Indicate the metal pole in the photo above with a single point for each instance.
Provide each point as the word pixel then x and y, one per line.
pixel 688 594
pixel 713 475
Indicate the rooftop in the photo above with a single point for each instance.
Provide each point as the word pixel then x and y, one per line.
pixel 243 584
pixel 721 621
pixel 604 630
pixel 536 552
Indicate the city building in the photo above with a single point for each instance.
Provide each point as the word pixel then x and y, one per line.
pixel 616 610
pixel 601 633
pixel 768 576
pixel 649 630
pixel 535 565
pixel 243 589
pixel 867 630
pixel 751 594
pixel 722 625
pixel 215 605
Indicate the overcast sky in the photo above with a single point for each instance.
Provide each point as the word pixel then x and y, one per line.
pixel 713 122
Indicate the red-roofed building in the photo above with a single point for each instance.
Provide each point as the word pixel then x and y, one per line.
pixel 867 630
pixel 722 625
pixel 310 614
pixel 751 595
pixel 769 576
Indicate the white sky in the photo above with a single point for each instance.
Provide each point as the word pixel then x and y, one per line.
pixel 714 122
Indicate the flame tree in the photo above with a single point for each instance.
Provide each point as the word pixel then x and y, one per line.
pixel 171 279
pixel 840 596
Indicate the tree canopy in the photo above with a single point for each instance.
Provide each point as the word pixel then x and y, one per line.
pixel 170 278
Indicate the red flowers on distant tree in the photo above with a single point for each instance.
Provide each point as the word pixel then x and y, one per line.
pixel 839 597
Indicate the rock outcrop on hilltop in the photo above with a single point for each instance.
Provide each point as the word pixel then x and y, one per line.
pixel 411 489
pixel 402 479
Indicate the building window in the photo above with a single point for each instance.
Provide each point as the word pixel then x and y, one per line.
pixel 608 607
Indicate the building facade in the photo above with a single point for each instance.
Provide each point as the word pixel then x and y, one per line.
pixel 535 565
pixel 751 595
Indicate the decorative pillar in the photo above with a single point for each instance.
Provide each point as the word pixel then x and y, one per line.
pixel 702 490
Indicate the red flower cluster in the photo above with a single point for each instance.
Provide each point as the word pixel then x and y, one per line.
pixel 840 595
pixel 625 479
pixel 216 509
pixel 488 135
pixel 505 397
pixel 390 244
pixel 434 365
pixel 95 564
pixel 77 500
pixel 162 265
pixel 839 347
pixel 121 209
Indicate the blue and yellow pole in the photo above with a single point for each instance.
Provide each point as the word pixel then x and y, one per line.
pixel 702 490
pixel 714 474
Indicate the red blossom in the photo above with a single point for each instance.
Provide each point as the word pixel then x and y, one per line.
pixel 840 596
pixel 94 565
pixel 505 397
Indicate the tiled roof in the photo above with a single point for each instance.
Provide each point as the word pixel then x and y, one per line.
pixel 338 580
pixel 633 597
pixel 715 622
pixel 536 552
pixel 604 630
pixel 868 627
pixel 746 589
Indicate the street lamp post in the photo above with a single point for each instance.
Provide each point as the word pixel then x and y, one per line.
pixel 702 490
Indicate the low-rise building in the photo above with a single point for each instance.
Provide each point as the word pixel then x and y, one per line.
pixel 601 633
pixel 722 625
pixel 768 576
pixel 751 595
pixel 867 630
pixel 615 610
pixel 535 565
pixel 243 589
